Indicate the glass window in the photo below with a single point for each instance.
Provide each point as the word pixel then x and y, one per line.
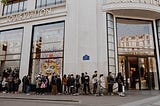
pixel 47 49
pixel 110 46
pixel 5 9
pixel 111 53
pixel 111 61
pixel 50 2
pixel 10 49
pixel 110 38
pixel 38 3
pixel 110 31
pixel 109 17
pixel 58 1
pixel 127 28
pixel 43 3
pixel 15 7
pixel 110 43
pixel 9 9
pixel 110 24
pixel 25 5
pixel 21 6
pixel 112 69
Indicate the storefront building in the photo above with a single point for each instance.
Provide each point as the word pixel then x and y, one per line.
pixel 75 36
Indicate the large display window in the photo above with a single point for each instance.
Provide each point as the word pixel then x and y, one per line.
pixel 136 52
pixel 10 50
pixel 47 49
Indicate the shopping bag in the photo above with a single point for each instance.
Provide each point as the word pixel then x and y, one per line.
pixel 123 88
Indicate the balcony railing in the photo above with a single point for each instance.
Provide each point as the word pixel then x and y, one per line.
pixel 44 3
pixel 152 2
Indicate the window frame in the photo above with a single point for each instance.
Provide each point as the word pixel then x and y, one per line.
pixel 32 51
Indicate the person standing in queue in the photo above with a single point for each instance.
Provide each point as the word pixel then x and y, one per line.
pixel 86 84
pixel 120 81
pixel 110 81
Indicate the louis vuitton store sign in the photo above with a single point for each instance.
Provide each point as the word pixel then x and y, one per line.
pixel 29 14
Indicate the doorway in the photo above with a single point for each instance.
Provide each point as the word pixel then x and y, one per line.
pixel 138 72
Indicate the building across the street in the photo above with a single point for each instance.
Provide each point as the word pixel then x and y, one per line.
pixel 75 36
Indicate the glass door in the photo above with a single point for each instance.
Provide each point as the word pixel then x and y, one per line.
pixel 143 73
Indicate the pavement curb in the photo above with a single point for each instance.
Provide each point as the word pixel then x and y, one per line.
pixel 40 99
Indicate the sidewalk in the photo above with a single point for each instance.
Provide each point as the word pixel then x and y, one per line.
pixel 151 101
pixel 132 98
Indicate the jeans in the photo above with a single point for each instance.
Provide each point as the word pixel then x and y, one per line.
pixel 27 88
pixel 101 90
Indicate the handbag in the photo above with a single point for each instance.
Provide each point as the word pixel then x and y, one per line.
pixel 43 85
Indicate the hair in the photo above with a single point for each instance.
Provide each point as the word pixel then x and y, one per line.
pixel 82 74
pixel 109 73
pixel 101 75
pixel 119 74
pixel 64 75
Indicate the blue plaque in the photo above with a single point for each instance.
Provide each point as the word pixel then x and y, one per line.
pixel 85 57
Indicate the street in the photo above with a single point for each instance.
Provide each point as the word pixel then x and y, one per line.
pixel 133 98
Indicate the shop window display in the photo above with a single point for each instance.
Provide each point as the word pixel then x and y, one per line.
pixel 47 49
pixel 10 51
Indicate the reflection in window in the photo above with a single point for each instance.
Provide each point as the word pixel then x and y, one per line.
pixel 10 49
pixel 137 32
pixel 47 49
pixel 14 6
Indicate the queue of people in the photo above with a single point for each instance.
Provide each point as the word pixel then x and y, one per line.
pixel 10 81
pixel 70 84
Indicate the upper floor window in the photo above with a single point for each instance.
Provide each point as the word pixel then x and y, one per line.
pixel 14 6
pixel 43 3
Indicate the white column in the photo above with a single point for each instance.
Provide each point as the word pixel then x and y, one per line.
pixel 101 40
pixel 157 49
pixel 87 35
pixel 71 38
pixel 26 46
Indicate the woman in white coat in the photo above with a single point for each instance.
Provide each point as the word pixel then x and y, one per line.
pixel 102 84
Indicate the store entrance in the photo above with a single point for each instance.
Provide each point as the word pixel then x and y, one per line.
pixel 138 72
pixel 136 51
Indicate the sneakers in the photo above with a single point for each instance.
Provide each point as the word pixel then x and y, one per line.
pixel 27 94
